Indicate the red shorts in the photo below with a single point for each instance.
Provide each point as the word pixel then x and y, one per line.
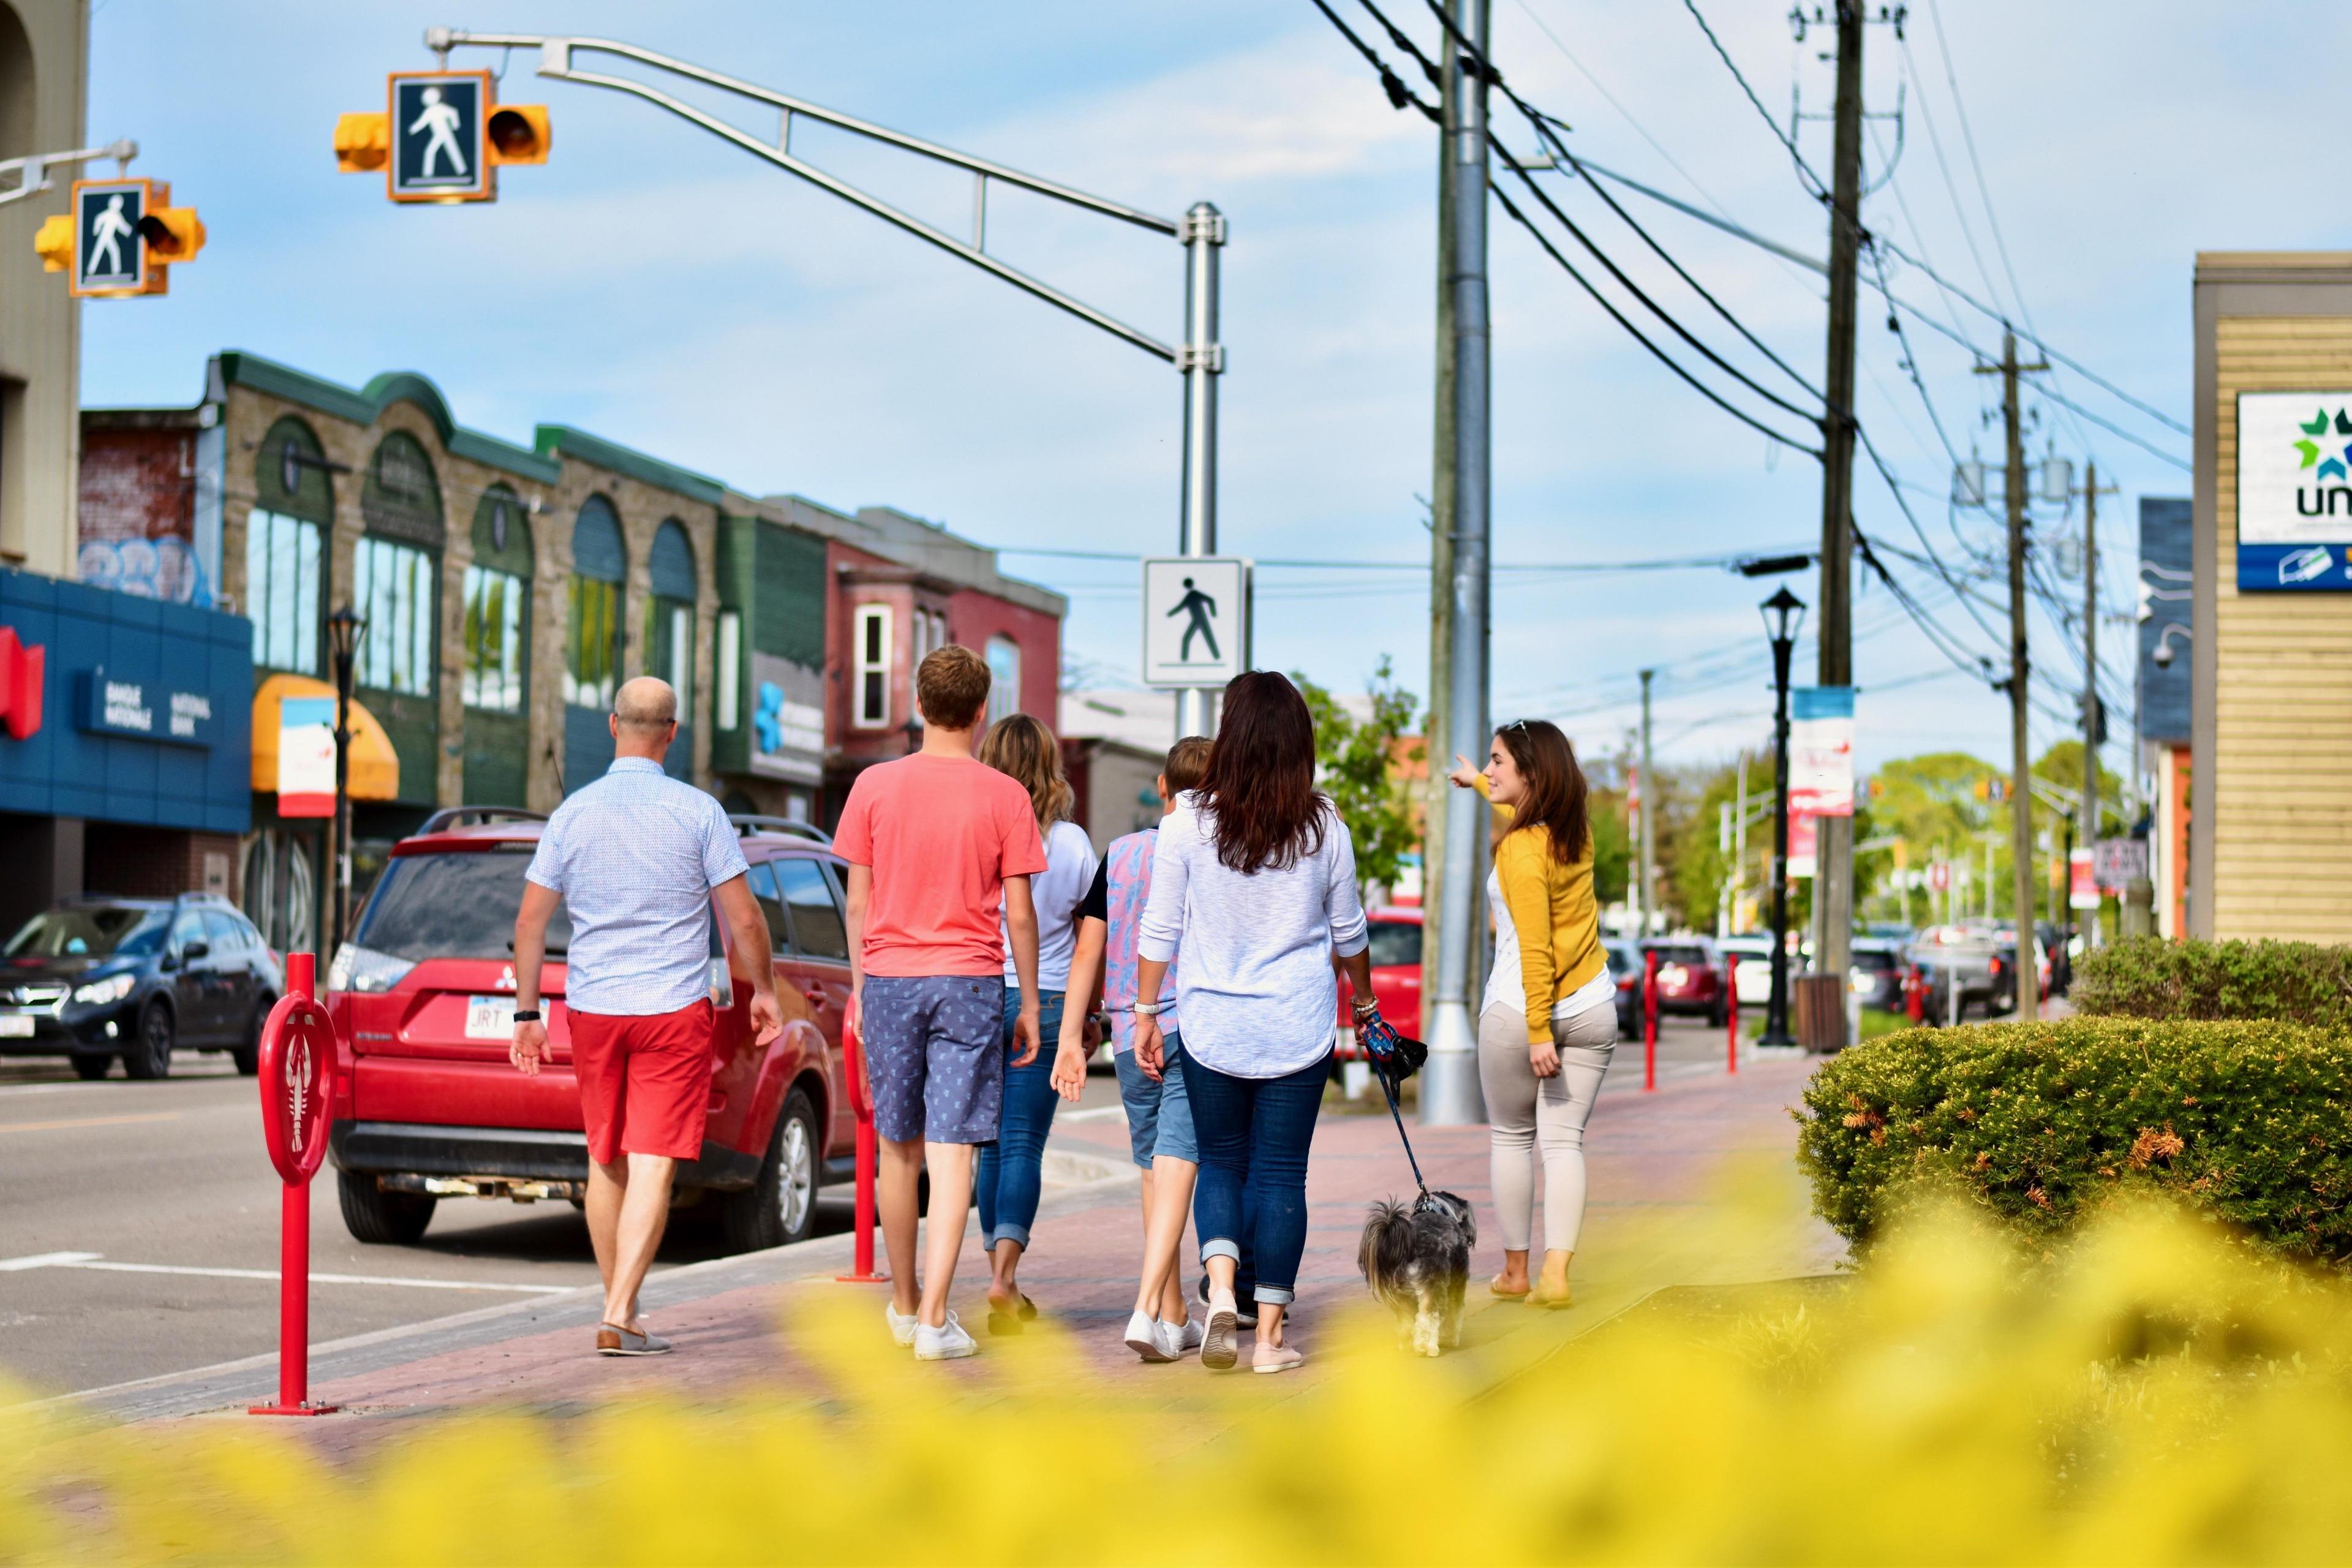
pixel 645 1081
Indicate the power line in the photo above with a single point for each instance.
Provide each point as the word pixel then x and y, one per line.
pixel 1969 138
pixel 1660 563
pixel 1820 191
pixel 1399 95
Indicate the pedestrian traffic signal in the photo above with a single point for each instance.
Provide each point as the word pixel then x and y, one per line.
pixel 120 239
pixel 442 137
pixel 520 133
pixel 363 142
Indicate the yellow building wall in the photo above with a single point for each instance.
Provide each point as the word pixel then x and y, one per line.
pixel 2280 784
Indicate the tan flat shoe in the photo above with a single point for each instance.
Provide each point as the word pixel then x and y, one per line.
pixel 1495 1288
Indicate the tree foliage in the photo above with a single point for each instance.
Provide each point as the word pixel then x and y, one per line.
pixel 1356 765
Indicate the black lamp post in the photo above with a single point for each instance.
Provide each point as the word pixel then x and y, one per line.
pixel 344 630
pixel 1783 614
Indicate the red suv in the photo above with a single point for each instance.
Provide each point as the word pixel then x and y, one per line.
pixel 429 1106
pixel 1395 954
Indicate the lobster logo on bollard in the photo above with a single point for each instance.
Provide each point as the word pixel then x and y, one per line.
pixel 298 1080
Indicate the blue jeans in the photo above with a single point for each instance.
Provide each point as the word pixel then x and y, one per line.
pixel 1252 1197
pixel 1006 1185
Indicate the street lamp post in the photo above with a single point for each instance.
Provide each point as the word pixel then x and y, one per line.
pixel 1783 614
pixel 344 630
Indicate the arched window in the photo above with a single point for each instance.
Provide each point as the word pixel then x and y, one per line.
pixel 498 604
pixel 1003 677
pixel 669 633
pixel 593 634
pixel 395 568
pixel 285 534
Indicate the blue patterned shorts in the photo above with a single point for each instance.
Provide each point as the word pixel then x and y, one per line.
pixel 935 1052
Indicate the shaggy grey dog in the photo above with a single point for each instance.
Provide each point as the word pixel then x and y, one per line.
pixel 1416 1258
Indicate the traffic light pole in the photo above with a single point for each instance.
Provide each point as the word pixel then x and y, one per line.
pixel 1200 357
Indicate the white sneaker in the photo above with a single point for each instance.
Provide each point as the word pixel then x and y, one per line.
pixel 948 1343
pixel 1145 1337
pixel 902 1324
pixel 1184 1338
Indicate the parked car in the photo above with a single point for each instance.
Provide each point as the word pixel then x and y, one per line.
pixel 1878 976
pixel 1961 969
pixel 427 1105
pixel 1690 979
pixel 98 978
pixel 1625 964
pixel 1395 952
pixel 1751 982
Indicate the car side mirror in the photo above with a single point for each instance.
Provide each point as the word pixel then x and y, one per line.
pixel 196 950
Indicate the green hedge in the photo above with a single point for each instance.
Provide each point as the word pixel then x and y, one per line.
pixel 2149 978
pixel 2251 1121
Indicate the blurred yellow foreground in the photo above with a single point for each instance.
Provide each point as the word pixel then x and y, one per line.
pixel 2151 1394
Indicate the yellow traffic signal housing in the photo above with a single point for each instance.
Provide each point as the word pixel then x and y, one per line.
pixel 53 243
pixel 363 142
pixel 173 234
pixel 520 133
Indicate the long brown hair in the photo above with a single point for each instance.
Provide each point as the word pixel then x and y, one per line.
pixel 1259 794
pixel 1556 789
pixel 1021 748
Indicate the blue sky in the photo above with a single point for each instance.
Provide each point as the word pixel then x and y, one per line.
pixel 664 289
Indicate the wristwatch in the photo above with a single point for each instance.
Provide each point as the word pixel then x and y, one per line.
pixel 526 1015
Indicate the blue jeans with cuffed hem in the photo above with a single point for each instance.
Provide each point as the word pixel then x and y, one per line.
pixel 1010 1172
pixel 1252 1197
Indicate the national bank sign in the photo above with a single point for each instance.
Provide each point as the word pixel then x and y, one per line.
pixel 2294 491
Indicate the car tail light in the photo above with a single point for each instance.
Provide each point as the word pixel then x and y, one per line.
pixel 1673 975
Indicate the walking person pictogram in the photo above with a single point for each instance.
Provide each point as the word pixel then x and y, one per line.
pixel 440 120
pixel 107 232
pixel 1201 609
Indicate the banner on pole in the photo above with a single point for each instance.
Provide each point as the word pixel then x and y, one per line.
pixel 306 756
pixel 1821 751
pixel 1804 841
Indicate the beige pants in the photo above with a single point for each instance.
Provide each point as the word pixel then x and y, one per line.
pixel 1525 1111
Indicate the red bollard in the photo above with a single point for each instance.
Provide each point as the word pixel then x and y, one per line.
pixel 853 1053
pixel 1918 997
pixel 298 1082
pixel 1649 1021
pixel 1731 1012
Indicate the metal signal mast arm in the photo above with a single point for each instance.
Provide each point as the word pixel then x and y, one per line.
pixel 555 62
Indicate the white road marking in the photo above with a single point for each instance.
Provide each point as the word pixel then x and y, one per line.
pixel 93 1260
pixel 88 1121
pixel 1094 1113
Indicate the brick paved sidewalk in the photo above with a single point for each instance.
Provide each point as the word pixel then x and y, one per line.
pixel 1665 1170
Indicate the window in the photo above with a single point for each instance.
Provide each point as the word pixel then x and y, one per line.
pixel 593 653
pixel 930 634
pixel 873 667
pixel 226 932
pixel 281 590
pixel 391 586
pixel 493 676
pixel 761 880
pixel 729 704
pixel 1003 678
pixel 669 648
pixel 817 926
pixel 187 929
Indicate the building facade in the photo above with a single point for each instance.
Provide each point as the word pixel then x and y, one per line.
pixel 508 590
pixel 2270 817
pixel 2167 555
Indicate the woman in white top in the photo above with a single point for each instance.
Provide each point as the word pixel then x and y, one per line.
pixel 1006 1184
pixel 1255 873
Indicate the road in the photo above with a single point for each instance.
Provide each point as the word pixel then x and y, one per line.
pixel 139 1226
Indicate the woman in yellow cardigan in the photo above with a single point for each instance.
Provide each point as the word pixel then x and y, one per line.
pixel 1548 1025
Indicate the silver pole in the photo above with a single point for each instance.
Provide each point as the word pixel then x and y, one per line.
pixel 1449 1090
pixel 1202 360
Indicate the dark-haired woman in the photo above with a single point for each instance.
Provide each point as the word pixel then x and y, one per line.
pixel 1255 873
pixel 1548 1027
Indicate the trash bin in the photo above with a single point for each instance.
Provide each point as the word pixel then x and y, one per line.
pixel 1820 1012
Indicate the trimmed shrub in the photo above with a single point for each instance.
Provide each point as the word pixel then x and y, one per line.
pixel 2251 1121
pixel 2149 978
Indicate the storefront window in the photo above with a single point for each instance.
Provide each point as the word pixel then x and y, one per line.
pixel 1003 678
pixel 669 648
pixel 281 590
pixel 493 676
pixel 593 655
pixel 393 588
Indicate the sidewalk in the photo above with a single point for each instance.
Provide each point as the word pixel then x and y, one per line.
pixel 1666 1171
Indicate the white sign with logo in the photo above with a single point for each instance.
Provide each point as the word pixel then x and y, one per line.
pixel 2294 490
pixel 1821 751
pixel 1196 620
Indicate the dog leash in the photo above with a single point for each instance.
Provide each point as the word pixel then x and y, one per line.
pixel 1381 1041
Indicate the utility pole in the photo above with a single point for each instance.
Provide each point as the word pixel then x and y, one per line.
pixel 1436 808
pixel 2089 830
pixel 1739 840
pixel 1833 863
pixel 1449 1094
pixel 1649 845
pixel 2021 794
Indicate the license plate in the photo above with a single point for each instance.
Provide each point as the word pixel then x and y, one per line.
pixel 15 1026
pixel 489 1017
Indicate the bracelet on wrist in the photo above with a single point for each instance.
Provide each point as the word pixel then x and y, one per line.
pixel 1149 1009
pixel 526 1015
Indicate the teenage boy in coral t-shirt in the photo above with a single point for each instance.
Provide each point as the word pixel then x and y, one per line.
pixel 934 841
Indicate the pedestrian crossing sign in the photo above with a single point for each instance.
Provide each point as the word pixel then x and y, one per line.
pixel 1196 620
pixel 440 146
pixel 109 258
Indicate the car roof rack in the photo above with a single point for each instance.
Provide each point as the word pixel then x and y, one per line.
pixel 471 816
pixel 747 825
